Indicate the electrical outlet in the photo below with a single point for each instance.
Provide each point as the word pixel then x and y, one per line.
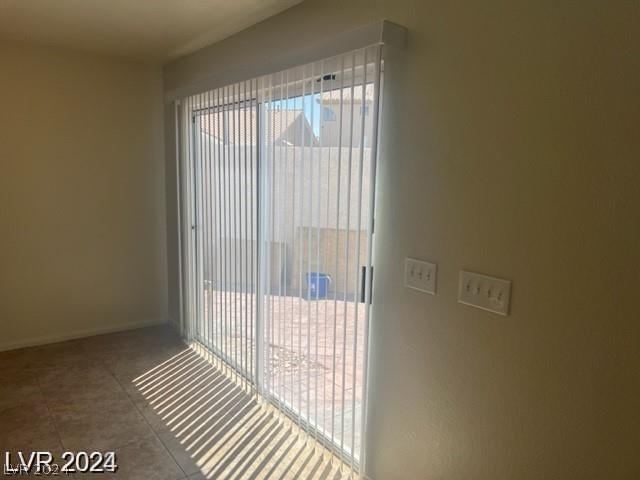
pixel 420 275
pixel 487 293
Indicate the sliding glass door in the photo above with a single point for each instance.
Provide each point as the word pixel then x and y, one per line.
pixel 277 182
pixel 223 194
pixel 319 124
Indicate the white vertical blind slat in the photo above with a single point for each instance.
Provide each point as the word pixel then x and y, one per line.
pixel 374 125
pixel 346 254
pixel 358 278
pixel 337 236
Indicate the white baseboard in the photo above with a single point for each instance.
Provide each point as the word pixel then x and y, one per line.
pixel 88 332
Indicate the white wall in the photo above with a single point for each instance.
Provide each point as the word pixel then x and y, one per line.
pixel 510 147
pixel 83 242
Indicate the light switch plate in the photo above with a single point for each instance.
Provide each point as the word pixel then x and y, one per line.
pixel 487 293
pixel 420 275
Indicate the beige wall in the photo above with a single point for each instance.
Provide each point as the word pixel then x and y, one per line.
pixel 510 147
pixel 83 224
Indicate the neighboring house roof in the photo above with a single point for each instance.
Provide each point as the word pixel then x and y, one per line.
pixel 333 96
pixel 231 127
pixel 290 127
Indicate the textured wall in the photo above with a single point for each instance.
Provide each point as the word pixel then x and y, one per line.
pixel 82 203
pixel 509 146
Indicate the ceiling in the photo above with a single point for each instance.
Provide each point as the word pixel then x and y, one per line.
pixel 148 30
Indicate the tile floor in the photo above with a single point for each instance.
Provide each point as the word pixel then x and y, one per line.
pixel 166 412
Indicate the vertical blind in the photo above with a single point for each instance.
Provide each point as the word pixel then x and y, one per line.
pixel 277 183
pixel 219 222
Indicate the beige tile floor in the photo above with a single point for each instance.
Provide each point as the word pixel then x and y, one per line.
pixel 166 412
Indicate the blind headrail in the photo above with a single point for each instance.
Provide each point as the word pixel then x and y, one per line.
pixel 381 32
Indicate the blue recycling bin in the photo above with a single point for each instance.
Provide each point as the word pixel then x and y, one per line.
pixel 317 285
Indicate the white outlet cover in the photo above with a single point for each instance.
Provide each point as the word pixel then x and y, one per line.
pixel 420 275
pixel 484 292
